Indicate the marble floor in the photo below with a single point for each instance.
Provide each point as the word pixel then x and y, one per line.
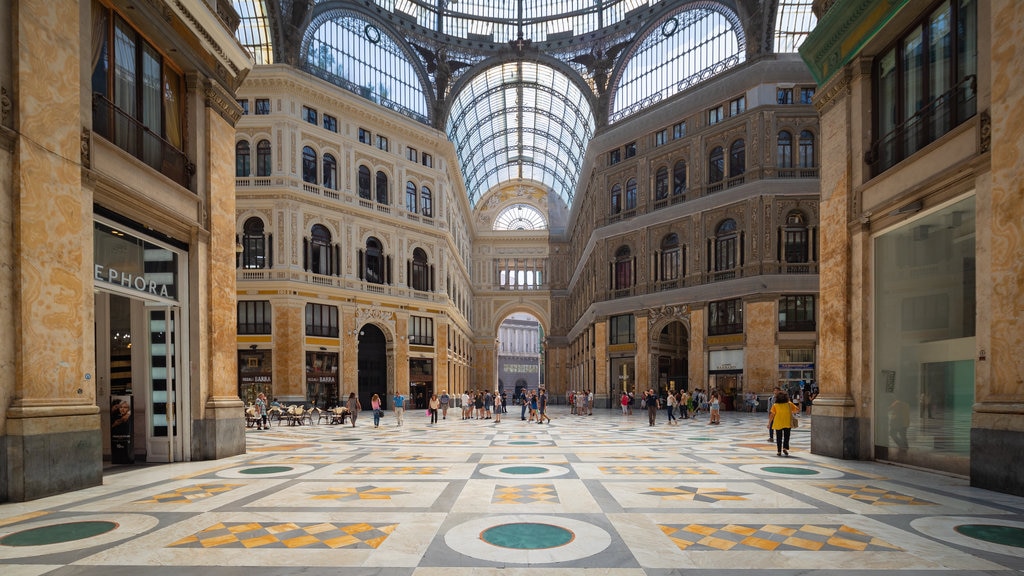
pixel 603 494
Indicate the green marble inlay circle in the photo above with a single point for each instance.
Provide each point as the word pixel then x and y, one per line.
pixel 58 533
pixel 527 536
pixel 703 438
pixel 523 443
pixel 346 439
pixel 1005 535
pixel 524 470
pixel 267 470
pixel 790 470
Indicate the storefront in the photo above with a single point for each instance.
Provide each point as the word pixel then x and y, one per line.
pixel 725 373
pixel 140 297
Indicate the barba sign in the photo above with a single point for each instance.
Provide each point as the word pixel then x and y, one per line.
pixel 131 281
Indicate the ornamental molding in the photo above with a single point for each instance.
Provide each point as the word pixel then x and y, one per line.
pixel 680 312
pixel 375 316
pixel 833 92
pixel 221 102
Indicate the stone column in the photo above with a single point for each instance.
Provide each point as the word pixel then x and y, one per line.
pixel 697 360
pixel 760 354
pixel 646 374
pixel 998 426
pixel 53 441
pixel 225 431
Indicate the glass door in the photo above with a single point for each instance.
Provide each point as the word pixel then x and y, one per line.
pixel 164 442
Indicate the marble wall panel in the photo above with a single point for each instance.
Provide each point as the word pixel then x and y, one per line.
pixel 761 365
pixel 222 306
pixel 697 367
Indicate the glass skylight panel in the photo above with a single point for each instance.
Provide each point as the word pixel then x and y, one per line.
pixel 254 30
pixel 520 217
pixel 794 20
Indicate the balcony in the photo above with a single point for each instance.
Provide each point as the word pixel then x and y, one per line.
pixel 135 138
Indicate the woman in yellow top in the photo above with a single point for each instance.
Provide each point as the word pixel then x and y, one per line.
pixel 780 419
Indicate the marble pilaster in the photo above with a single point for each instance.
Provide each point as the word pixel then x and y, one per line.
pixel 697 368
pixel 645 372
pixel 760 354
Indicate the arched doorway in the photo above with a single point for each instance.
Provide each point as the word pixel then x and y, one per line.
pixel 373 365
pixel 671 351
pixel 521 353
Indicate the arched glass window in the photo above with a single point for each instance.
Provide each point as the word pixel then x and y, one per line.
pixel 374 264
pixel 254 244
pixel 308 165
pixel 796 246
pixel 616 199
pixel 716 165
pixel 410 197
pixel 661 183
pixel 364 182
pixel 382 188
pixel 631 194
pixel 242 159
pixel 670 257
pixel 806 149
pixel 356 54
pixel 426 202
pixel 623 268
pixel 784 151
pixel 263 166
pixel 520 217
pixel 420 270
pixel 679 178
pixel 320 250
pixel 687 48
pixel 726 243
pixel 737 158
pixel 330 172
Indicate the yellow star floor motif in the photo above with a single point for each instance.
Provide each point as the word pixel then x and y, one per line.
pixel 525 494
pixel 696 494
pixel 189 493
pixel 288 535
pixel 358 493
pixel 807 537
pixel 874 495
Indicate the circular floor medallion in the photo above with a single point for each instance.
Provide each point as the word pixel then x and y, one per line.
pixel 527 539
pixel 58 533
pixel 527 536
pixel 997 535
pixel 792 471
pixel 265 470
pixel 1002 535
pixel 259 470
pixel 524 471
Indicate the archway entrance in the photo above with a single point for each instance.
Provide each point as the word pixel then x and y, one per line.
pixel 373 365
pixel 520 355
pixel 671 350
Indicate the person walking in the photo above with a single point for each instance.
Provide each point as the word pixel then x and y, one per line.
pixel 445 401
pixel 651 400
pixel 375 406
pixel 398 405
pixel 542 413
pixel 499 403
pixel 354 407
pixel 771 433
pixel 433 407
pixel 670 409
pixel 780 419
pixel 715 408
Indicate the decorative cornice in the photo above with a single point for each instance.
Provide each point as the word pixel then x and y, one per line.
pixel 85 148
pixel 375 316
pixel 679 312
pixel 832 92
pixel 985 132
pixel 842 32
pixel 223 103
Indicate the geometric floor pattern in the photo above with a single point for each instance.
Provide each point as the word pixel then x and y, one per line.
pixel 603 494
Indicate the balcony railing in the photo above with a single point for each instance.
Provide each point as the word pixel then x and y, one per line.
pixel 929 123
pixel 135 138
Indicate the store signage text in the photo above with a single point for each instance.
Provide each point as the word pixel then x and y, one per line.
pixel 129 280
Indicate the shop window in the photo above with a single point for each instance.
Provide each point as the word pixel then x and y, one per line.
pixel 421 331
pixel 725 317
pixel 621 329
pixel 796 314
pixel 321 320
pixel 254 317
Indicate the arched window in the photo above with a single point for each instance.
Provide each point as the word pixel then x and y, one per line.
pixel 263 166
pixel 242 159
pixel 726 243
pixel 410 197
pixel 308 165
pixel 796 248
pixel 631 194
pixel 426 202
pixel 254 244
pixel 716 165
pixel 330 172
pixel 784 151
pixel 806 149
pixel 616 199
pixel 374 261
pixel 364 182
pixel 382 188
pixel 320 259
pixel 623 268
pixel 737 158
pixel 679 178
pixel 671 258
pixel 420 270
pixel 661 183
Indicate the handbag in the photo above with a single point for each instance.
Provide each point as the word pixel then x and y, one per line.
pixel 796 421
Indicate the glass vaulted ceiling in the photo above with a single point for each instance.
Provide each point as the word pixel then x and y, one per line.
pixel 501 21
pixel 520 120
